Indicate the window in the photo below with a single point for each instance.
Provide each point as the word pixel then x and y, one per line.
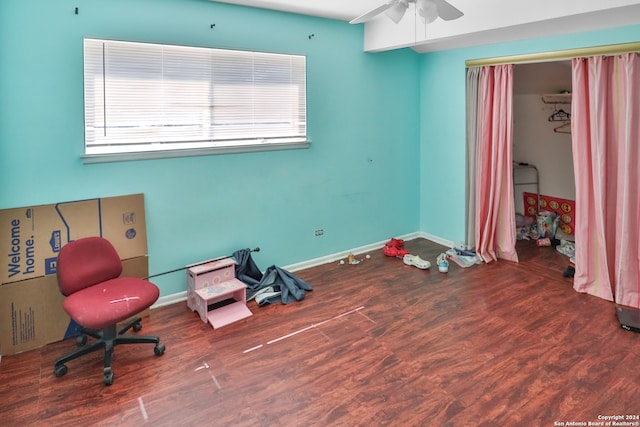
pixel 142 98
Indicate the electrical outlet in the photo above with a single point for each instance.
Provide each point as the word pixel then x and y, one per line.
pixel 319 232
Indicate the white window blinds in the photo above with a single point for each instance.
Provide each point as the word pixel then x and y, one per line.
pixel 150 97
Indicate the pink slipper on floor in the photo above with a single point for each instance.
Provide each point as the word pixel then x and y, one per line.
pixel 416 261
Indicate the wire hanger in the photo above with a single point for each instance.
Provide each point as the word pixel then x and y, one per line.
pixel 559 116
pixel 564 128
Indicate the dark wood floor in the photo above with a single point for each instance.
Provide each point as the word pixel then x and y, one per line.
pixel 378 343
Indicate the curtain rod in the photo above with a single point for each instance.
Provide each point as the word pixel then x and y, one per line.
pixel 195 265
pixel 612 49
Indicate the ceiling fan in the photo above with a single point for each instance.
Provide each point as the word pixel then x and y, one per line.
pixel 428 10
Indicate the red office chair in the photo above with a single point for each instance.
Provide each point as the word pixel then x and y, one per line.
pixel 97 299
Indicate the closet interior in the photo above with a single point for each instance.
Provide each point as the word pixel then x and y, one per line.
pixel 544 184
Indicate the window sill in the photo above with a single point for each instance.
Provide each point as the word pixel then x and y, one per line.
pixel 165 154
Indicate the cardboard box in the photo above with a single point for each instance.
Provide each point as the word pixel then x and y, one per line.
pixel 31 313
pixel 31 237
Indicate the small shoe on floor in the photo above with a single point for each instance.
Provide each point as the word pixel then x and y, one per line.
pixel 396 243
pixel 443 264
pixel 569 272
pixel 416 261
pixel 394 251
pixel 567 248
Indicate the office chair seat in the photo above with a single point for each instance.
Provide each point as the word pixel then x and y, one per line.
pixel 110 302
pixel 97 299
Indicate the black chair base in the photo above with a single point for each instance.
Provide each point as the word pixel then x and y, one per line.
pixel 107 338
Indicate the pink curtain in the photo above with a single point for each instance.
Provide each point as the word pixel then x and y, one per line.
pixel 495 211
pixel 606 155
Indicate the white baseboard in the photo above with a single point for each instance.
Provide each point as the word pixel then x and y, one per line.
pixel 170 299
pixel 436 239
pixel 341 255
pixel 182 296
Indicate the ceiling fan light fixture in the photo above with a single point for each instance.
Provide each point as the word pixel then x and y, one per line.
pixel 396 12
pixel 428 10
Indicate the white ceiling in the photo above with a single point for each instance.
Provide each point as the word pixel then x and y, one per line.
pixel 485 21
pixel 343 10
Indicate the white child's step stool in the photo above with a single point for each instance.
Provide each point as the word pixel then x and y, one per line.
pixel 215 293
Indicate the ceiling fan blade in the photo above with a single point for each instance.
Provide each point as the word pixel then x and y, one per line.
pixel 374 12
pixel 446 11
pixel 397 11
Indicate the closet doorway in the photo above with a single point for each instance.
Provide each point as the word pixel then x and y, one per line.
pixel 542 137
pixel 604 108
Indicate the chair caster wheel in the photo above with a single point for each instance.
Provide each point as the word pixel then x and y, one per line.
pixel 108 376
pixel 159 349
pixel 81 340
pixel 137 326
pixel 60 370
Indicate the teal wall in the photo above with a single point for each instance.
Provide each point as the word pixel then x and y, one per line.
pixel 442 121
pixel 358 181
pixel 388 132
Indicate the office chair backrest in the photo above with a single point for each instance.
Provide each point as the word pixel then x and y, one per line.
pixel 86 262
